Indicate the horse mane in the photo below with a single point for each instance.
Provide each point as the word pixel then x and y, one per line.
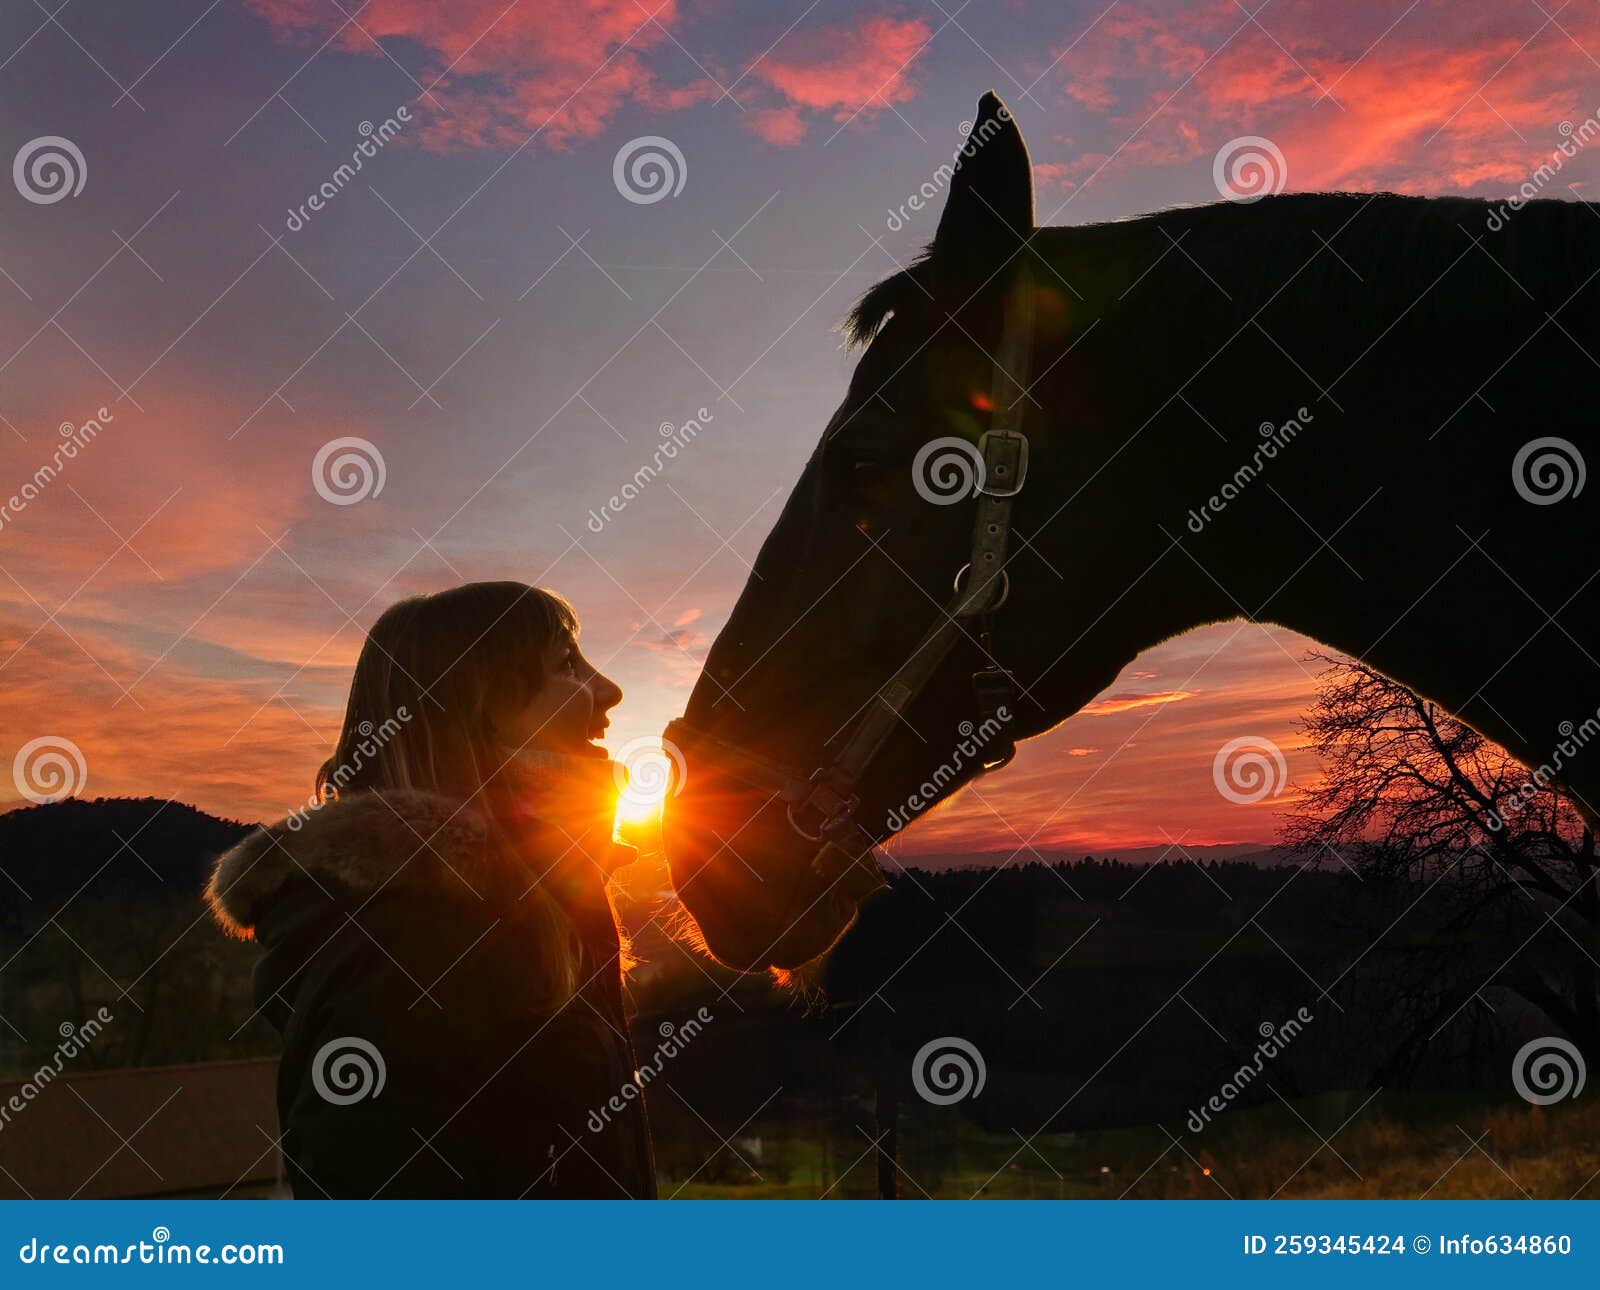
pixel 1407 250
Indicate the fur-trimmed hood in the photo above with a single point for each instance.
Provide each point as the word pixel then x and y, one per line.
pixel 362 843
pixel 377 901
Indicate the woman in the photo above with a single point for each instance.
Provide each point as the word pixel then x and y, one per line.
pixel 440 953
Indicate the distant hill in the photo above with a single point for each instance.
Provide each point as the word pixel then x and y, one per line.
pixel 114 845
pixel 147 845
pixel 1257 853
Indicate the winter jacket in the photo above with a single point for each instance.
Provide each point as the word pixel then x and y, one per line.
pixel 416 1059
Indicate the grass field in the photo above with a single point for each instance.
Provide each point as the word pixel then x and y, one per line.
pixel 1392 1146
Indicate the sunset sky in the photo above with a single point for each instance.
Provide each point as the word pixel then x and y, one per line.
pixel 485 306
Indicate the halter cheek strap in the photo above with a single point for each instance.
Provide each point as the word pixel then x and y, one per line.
pixel 822 804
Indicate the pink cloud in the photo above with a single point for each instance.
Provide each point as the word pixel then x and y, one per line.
pixel 845 69
pixel 1442 97
pixel 782 127
pixel 495 75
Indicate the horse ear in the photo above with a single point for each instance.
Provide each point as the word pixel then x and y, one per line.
pixel 990 207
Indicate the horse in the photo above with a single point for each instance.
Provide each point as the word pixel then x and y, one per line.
pixel 1358 415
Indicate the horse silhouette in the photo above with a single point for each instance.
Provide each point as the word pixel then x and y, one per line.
pixel 1362 416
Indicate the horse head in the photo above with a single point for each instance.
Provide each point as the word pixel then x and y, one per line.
pixel 867 670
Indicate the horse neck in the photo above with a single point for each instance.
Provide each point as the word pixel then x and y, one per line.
pixel 1388 528
pixel 1393 575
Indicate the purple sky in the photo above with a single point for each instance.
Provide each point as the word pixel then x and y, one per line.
pixel 484 305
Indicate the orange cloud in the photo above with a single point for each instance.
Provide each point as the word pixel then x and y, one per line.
pixel 1142 773
pixel 182 738
pixel 1127 702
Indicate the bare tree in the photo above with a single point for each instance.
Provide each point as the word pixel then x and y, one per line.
pixel 1409 793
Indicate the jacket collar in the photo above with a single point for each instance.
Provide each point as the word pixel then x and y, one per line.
pixel 419 841
pixel 361 842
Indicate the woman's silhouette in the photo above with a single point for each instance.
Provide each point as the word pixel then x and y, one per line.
pixel 440 953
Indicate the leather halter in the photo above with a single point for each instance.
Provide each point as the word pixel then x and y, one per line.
pixel 822 804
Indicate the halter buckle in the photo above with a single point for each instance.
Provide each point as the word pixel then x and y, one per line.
pixel 1005 462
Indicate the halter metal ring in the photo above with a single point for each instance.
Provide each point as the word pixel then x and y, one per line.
pixel 798 827
pixel 1005 586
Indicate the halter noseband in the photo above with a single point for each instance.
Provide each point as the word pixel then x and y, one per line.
pixel 822 804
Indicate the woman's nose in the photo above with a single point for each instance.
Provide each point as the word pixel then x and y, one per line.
pixel 607 693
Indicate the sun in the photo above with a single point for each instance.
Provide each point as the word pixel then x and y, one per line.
pixel 653 772
pixel 635 808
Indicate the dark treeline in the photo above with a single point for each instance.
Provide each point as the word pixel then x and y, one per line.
pixel 1097 993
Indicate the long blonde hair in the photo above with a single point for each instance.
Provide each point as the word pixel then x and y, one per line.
pixel 418 717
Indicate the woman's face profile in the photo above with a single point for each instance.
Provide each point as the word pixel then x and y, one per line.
pixel 568 712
